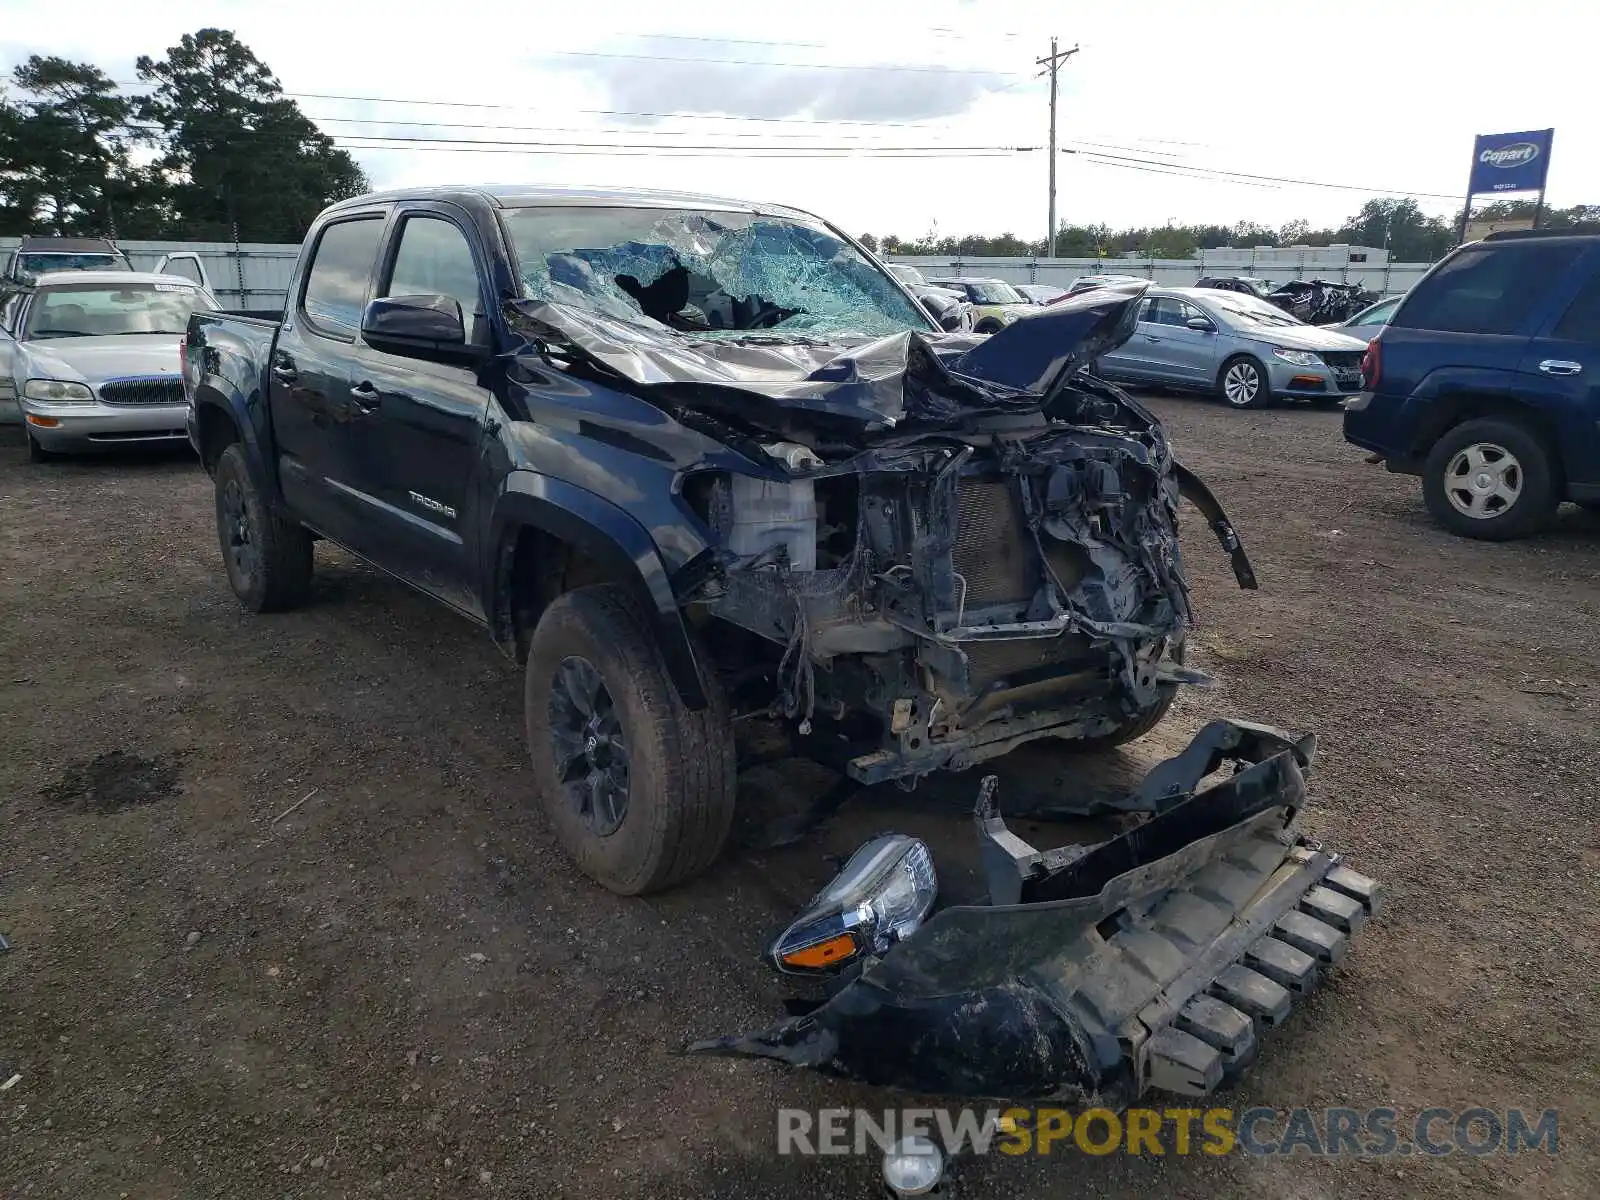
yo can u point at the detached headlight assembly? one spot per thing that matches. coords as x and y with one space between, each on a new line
880 897
1300 358
57 391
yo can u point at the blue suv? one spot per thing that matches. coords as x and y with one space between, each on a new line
1486 383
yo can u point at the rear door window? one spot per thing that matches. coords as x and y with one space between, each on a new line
1581 321
341 267
1486 289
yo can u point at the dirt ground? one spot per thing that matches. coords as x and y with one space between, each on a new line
283 922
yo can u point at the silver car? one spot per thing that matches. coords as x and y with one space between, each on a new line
91 358
1367 323
1243 349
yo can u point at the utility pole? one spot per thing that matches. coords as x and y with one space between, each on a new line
1052 63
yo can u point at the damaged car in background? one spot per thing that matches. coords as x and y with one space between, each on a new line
694 460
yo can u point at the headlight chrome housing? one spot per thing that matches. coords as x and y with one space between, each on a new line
57 391
880 897
1300 358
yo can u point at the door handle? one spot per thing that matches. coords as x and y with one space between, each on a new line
285 374
366 396
1560 366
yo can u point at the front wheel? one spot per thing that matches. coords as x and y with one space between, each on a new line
1242 383
1490 479
638 788
268 558
1134 727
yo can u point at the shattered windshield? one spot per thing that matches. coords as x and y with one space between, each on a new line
706 273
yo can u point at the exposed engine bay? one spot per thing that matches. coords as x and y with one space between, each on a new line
942 546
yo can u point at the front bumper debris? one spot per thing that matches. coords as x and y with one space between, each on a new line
1155 960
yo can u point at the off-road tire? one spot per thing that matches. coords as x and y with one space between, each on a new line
1538 495
681 763
280 576
1138 725
1263 393
1134 727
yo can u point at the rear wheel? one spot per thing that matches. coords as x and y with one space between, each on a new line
1242 383
268 558
638 787
1490 479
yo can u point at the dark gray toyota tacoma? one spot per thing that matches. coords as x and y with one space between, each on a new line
694 460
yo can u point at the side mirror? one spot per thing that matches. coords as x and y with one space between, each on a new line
1200 324
417 326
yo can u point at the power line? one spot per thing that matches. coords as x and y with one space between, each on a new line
592 129
513 144
686 152
759 62
594 112
1217 171
685 37
1098 149
1166 170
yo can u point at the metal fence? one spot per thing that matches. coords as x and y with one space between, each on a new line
251 275
1387 279
255 275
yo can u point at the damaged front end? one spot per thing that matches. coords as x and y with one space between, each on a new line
1153 960
942 547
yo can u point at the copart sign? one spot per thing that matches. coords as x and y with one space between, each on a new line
1510 162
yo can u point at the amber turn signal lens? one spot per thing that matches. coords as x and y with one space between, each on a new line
43 422
823 954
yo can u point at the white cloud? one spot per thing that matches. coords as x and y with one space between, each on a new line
1364 92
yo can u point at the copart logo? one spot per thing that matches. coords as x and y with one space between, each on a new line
1513 155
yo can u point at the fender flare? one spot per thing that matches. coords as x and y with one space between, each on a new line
610 536
241 416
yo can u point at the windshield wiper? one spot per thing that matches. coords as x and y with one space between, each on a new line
38 333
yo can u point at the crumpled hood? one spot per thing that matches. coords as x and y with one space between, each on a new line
908 376
95 360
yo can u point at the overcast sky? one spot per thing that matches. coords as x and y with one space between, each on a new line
1380 95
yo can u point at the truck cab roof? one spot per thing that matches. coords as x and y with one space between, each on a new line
544 196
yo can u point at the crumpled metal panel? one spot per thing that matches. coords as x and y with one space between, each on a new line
910 375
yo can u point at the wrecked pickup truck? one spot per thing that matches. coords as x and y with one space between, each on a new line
693 460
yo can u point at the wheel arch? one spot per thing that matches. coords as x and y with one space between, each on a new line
216 428
1249 356
1458 407
548 537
